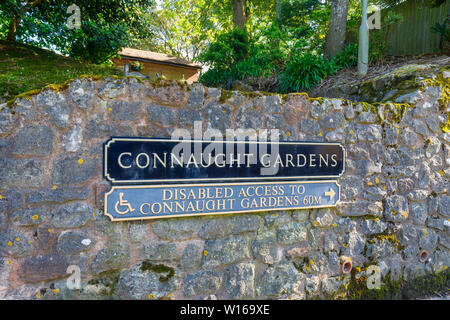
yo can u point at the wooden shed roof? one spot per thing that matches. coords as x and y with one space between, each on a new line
156 57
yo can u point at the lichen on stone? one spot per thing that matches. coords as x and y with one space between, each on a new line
158 268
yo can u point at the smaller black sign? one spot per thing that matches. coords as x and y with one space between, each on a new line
147 160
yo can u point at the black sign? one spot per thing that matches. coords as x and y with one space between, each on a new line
147 160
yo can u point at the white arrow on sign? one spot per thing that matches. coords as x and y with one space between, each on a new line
330 194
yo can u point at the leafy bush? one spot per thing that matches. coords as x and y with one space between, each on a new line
304 71
347 58
98 42
378 39
215 77
232 57
443 30
253 66
227 50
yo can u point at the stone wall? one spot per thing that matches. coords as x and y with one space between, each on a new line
395 197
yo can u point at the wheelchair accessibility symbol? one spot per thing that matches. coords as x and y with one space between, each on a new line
123 203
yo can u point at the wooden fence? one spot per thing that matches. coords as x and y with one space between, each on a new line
413 35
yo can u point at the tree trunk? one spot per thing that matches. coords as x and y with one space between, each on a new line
239 16
278 11
336 30
13 26
276 42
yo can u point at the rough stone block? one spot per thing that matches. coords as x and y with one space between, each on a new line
266 250
177 229
225 251
369 133
225 226
322 218
333 121
293 232
33 140
27 217
8 121
111 258
428 239
220 117
100 129
73 170
43 268
360 208
82 92
373 226
74 242
160 251
239 281
125 111
396 208
168 93
71 215
279 279
191 257
59 194
146 281
418 212
112 89
201 283
55 106
15 244
274 219
22 173
374 194
444 206
366 118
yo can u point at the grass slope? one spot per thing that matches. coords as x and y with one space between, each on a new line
25 67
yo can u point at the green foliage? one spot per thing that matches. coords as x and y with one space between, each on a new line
442 29
24 68
97 42
434 3
347 58
399 289
136 66
273 43
44 24
393 3
304 71
378 38
282 39
184 28
289 46
215 77
253 66
378 48
4 21
227 50
293 13
222 55
305 19
236 57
